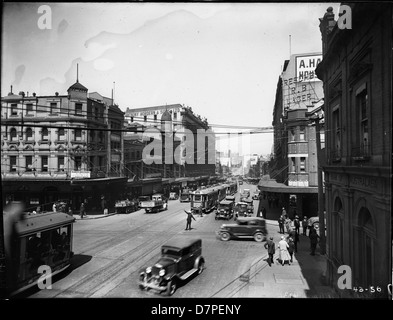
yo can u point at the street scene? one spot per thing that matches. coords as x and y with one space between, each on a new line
196 150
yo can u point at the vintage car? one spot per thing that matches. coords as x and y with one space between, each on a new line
230 198
173 196
245 227
180 259
250 206
240 210
143 199
225 210
157 203
126 206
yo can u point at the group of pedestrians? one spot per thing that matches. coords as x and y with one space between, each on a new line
287 246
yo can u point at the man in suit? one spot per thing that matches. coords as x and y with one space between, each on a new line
189 219
271 250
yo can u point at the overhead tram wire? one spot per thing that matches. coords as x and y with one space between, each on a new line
64 110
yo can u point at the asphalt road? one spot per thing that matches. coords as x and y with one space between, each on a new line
110 252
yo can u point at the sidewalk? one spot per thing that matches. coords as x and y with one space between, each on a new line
303 278
93 216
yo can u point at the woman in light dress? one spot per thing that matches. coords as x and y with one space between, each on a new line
284 253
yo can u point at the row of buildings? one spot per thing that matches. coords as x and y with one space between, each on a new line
349 102
81 147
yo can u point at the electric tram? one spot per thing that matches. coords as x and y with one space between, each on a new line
43 239
206 200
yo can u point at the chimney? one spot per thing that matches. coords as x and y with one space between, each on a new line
33 94
56 93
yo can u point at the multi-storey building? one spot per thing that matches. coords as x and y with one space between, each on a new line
55 147
171 121
357 74
294 166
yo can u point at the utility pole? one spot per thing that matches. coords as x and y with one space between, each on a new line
321 203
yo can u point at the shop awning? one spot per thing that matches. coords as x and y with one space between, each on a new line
100 180
274 186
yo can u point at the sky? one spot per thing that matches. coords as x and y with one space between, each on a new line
221 59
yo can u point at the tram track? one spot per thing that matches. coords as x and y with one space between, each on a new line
107 277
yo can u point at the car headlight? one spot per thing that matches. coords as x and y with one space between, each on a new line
148 269
162 272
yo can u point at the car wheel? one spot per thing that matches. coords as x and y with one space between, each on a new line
225 236
258 237
201 266
171 287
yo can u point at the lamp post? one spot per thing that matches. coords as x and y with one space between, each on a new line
321 208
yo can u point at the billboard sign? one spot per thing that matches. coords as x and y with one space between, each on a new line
305 67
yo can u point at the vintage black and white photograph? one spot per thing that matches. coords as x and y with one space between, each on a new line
196 150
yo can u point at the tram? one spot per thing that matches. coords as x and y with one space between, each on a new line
37 240
206 200
232 188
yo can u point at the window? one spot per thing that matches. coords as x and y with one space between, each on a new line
292 135
60 163
78 109
100 162
29 163
293 165
29 134
362 107
44 163
336 131
29 108
144 118
92 135
78 134
132 119
96 113
61 134
13 163
53 107
77 163
13 135
14 109
302 134
302 164
45 134
91 162
175 115
155 117
101 137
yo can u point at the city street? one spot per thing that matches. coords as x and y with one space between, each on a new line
110 252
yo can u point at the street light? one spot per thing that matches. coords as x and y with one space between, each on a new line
321 212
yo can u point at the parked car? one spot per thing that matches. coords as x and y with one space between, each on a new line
142 199
245 227
180 259
225 210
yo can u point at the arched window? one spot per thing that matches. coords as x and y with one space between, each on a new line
365 252
13 134
44 134
29 134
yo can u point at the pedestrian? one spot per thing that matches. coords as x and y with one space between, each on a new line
38 210
281 221
82 210
296 223
54 207
284 212
264 213
284 254
271 250
288 224
304 225
70 211
189 219
296 240
291 247
313 240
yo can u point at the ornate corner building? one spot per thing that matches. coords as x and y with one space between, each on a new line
357 76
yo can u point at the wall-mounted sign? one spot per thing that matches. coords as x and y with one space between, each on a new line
305 67
80 174
152 112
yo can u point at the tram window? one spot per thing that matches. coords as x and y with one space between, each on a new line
197 198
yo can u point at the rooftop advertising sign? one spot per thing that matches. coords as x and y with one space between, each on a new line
305 67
